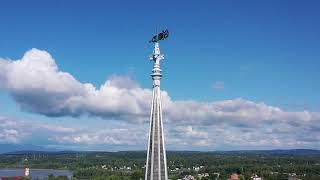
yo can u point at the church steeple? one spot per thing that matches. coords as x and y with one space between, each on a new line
156 166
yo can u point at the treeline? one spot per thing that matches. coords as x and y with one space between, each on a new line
129 165
106 174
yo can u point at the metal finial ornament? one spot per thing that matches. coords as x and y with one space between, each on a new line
161 36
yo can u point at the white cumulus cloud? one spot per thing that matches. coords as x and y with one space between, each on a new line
37 85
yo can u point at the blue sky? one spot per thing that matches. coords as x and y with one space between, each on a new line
241 57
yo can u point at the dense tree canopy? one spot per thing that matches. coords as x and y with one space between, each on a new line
130 165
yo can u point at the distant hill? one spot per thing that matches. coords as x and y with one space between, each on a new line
296 152
5 148
29 149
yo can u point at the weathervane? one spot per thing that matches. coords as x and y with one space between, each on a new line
161 36
156 56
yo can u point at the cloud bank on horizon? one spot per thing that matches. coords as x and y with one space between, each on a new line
37 85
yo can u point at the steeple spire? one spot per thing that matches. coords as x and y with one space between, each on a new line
156 166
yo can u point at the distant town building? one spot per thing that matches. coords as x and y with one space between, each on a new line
256 177
234 177
188 177
200 176
196 168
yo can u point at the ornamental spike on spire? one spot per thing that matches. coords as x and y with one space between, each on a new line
156 57
156 165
